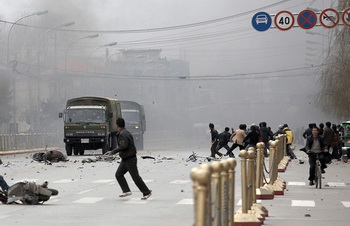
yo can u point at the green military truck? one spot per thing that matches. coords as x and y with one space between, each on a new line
90 124
135 121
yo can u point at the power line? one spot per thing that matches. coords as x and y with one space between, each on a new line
169 28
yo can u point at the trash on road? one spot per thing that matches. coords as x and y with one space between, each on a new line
49 157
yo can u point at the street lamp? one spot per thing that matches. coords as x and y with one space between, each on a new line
8 35
43 35
65 58
106 45
39 13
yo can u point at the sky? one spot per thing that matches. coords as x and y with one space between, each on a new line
232 44
216 38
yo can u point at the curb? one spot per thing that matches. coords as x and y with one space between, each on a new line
23 151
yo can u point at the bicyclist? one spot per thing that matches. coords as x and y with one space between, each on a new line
315 145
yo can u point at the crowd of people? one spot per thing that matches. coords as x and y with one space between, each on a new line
244 138
323 142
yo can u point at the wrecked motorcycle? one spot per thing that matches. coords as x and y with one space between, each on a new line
29 193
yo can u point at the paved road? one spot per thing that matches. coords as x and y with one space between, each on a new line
88 193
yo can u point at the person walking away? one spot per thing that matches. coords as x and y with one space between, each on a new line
315 145
289 142
321 125
223 139
266 136
336 152
214 141
237 138
127 152
253 137
328 135
308 131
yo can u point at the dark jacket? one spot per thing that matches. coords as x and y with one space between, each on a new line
253 137
214 135
126 146
266 134
308 132
310 141
224 138
328 135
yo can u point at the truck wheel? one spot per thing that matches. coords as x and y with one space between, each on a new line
76 151
81 151
69 149
104 147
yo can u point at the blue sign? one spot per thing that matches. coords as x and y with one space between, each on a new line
307 19
261 21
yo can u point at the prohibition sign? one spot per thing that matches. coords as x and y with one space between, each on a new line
307 19
284 20
329 18
346 17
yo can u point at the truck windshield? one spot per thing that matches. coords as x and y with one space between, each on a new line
85 115
131 116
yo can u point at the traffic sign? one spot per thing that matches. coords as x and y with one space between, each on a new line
307 19
261 21
284 20
329 18
346 17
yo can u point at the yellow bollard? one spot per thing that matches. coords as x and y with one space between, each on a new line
224 192
216 192
231 194
278 190
201 178
209 203
243 217
261 191
251 187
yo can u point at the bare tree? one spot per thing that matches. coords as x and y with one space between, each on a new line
334 97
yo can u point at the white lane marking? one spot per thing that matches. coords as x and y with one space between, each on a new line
64 181
83 192
180 182
185 202
239 203
4 216
336 184
306 203
296 183
346 204
88 200
137 201
103 181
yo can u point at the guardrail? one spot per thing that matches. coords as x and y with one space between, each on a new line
10 142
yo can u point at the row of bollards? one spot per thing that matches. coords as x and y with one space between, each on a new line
214 186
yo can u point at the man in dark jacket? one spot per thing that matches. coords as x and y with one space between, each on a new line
315 145
214 141
127 152
224 138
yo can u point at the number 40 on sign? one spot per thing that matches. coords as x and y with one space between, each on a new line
284 20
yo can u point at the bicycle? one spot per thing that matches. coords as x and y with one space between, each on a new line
194 157
318 173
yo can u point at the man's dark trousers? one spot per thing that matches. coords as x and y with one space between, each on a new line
130 165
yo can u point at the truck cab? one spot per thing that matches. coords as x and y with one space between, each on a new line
90 124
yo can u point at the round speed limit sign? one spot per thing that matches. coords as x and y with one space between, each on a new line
284 20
